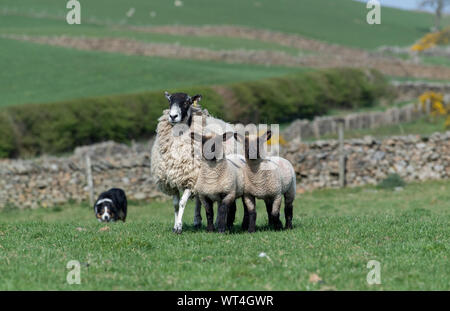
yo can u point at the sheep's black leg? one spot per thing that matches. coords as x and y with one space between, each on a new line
231 215
209 214
269 204
245 221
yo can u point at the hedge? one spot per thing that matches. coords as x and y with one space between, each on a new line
33 129
306 96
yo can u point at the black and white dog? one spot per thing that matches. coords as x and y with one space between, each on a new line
111 206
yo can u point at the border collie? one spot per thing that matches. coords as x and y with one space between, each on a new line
111 206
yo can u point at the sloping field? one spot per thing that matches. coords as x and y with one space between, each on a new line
34 73
342 21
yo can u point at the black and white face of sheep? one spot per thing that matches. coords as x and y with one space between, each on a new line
180 105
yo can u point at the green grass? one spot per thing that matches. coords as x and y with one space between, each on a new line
336 233
423 126
33 73
25 25
437 61
342 22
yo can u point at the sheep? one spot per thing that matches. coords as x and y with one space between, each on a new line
267 178
220 180
174 166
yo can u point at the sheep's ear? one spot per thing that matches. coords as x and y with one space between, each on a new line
228 135
168 96
196 98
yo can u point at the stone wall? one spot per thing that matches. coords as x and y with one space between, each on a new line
48 181
369 160
320 126
405 90
413 89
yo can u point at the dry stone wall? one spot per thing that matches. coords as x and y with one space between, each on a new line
369 160
49 181
320 126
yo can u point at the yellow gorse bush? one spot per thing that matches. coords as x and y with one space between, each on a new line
438 108
432 39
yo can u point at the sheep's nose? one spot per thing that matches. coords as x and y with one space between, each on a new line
173 117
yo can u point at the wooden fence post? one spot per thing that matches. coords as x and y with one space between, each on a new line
90 182
341 153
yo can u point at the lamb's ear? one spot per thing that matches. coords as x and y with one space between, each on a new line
240 138
168 96
269 135
228 135
266 136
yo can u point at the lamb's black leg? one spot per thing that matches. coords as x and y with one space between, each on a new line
209 214
276 213
288 212
245 221
269 204
231 215
221 216
197 213
250 202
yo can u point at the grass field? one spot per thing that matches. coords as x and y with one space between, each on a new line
34 73
37 73
336 233
342 22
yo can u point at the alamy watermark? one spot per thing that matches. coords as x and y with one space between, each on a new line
374 275
74 15
74 275
374 15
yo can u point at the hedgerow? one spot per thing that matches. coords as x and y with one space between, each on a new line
33 129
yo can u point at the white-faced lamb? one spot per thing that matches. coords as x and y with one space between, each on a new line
221 180
174 165
267 178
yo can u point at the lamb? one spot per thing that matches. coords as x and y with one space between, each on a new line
174 166
267 178
221 180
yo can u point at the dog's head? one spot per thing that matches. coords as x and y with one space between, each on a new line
105 210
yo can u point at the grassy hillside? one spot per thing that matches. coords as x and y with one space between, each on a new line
337 21
37 73
336 233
